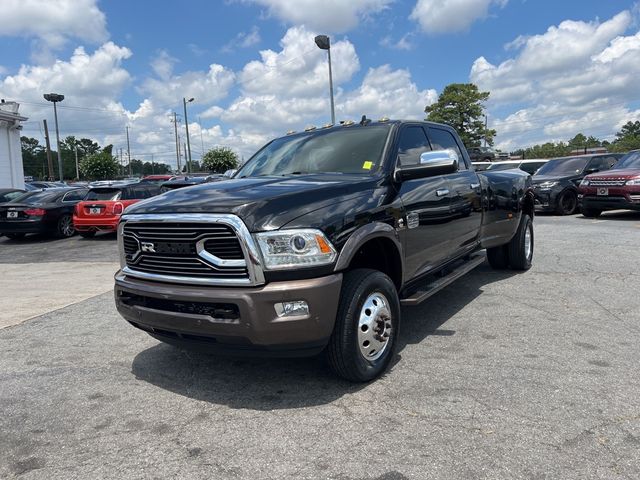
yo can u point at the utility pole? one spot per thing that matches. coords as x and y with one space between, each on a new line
175 128
128 151
179 155
186 161
153 167
186 126
49 160
121 164
77 169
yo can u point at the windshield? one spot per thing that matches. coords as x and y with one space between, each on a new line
630 160
41 196
104 194
348 150
564 166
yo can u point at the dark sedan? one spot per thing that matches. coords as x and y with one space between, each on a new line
556 182
47 211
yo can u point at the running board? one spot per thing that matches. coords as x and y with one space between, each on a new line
438 284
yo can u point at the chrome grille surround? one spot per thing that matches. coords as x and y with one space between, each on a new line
607 183
230 269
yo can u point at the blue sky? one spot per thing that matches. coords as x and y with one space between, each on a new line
553 68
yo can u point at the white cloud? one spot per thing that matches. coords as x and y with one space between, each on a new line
387 92
243 40
54 21
575 77
446 16
328 16
205 87
163 64
403 44
300 68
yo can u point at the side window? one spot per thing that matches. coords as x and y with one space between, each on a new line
413 142
443 140
74 196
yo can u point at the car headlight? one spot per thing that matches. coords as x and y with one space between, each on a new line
283 249
633 181
548 185
584 182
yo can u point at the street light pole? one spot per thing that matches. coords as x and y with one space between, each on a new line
55 98
324 43
186 125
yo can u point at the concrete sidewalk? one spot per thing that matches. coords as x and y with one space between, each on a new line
33 289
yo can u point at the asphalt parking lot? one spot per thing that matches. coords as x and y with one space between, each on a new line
501 375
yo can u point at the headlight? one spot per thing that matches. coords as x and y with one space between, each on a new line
633 181
295 248
584 182
548 185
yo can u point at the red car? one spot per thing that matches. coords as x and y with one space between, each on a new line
101 208
618 188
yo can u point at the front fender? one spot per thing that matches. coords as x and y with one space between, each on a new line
363 235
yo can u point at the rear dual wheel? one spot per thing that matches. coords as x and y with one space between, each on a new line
364 336
518 253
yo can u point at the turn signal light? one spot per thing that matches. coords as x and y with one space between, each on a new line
118 209
35 212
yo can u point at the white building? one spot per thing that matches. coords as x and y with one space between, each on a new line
11 170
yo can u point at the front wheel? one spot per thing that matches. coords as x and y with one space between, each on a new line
364 336
65 227
567 203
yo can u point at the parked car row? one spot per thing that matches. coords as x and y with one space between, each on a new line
64 210
590 183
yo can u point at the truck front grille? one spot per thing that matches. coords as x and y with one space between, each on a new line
186 252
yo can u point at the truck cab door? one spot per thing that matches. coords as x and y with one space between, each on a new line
424 228
465 195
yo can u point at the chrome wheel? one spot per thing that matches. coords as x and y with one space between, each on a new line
374 326
66 226
528 244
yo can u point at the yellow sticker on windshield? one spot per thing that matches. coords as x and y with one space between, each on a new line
367 165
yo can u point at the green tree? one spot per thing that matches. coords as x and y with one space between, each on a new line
461 105
99 166
628 138
220 159
34 158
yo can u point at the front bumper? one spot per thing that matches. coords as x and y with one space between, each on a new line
544 200
613 202
233 320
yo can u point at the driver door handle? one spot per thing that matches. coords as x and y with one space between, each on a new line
442 192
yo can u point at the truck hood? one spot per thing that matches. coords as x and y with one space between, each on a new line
538 179
615 174
263 203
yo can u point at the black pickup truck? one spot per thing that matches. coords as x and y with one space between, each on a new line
317 241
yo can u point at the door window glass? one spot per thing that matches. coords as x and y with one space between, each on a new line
413 142
443 140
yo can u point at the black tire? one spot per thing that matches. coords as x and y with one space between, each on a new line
498 257
521 255
591 212
87 234
344 352
15 236
64 228
567 203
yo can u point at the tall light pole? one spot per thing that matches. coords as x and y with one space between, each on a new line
55 98
324 43
186 125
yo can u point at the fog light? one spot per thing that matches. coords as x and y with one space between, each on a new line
297 308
